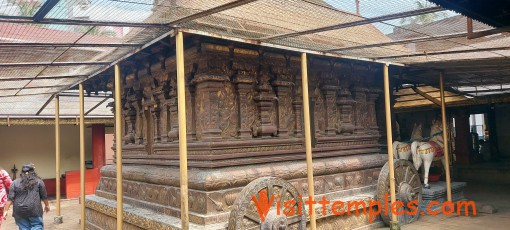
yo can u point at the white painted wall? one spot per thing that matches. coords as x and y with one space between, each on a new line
36 143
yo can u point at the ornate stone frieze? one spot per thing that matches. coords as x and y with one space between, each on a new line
333 186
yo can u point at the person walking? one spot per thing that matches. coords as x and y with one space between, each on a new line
26 194
5 184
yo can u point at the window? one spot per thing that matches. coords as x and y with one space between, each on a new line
477 124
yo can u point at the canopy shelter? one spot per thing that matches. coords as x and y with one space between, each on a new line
425 96
48 46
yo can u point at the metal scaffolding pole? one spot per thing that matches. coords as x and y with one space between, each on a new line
445 138
387 105
58 218
308 137
183 149
118 147
82 160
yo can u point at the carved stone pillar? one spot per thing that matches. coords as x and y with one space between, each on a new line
298 106
155 109
156 117
360 109
136 103
283 88
160 111
264 101
208 88
245 88
163 119
130 118
173 133
330 92
372 96
190 115
319 110
380 112
139 123
345 104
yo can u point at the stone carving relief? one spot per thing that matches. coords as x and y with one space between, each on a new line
238 94
228 110
265 104
319 111
245 81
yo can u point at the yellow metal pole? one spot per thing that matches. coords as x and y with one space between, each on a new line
445 138
183 149
57 153
118 145
308 136
387 105
82 160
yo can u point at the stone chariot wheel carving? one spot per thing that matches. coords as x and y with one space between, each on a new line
408 189
244 214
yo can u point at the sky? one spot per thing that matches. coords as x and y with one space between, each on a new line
139 10
375 8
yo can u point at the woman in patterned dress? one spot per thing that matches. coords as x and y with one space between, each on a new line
5 184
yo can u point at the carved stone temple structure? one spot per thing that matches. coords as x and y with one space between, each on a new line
244 121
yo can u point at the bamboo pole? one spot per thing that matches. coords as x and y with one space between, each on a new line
308 137
445 139
82 159
183 150
57 154
387 105
118 148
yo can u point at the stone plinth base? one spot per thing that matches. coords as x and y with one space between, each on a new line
437 192
101 214
152 200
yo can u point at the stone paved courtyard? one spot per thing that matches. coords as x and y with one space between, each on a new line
70 210
496 195
490 194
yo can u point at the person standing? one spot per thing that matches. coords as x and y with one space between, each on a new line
26 194
5 184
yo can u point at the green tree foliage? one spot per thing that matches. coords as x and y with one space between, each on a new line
424 18
27 8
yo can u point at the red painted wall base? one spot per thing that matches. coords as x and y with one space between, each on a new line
51 186
73 182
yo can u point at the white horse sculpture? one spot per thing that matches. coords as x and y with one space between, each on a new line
426 152
402 150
